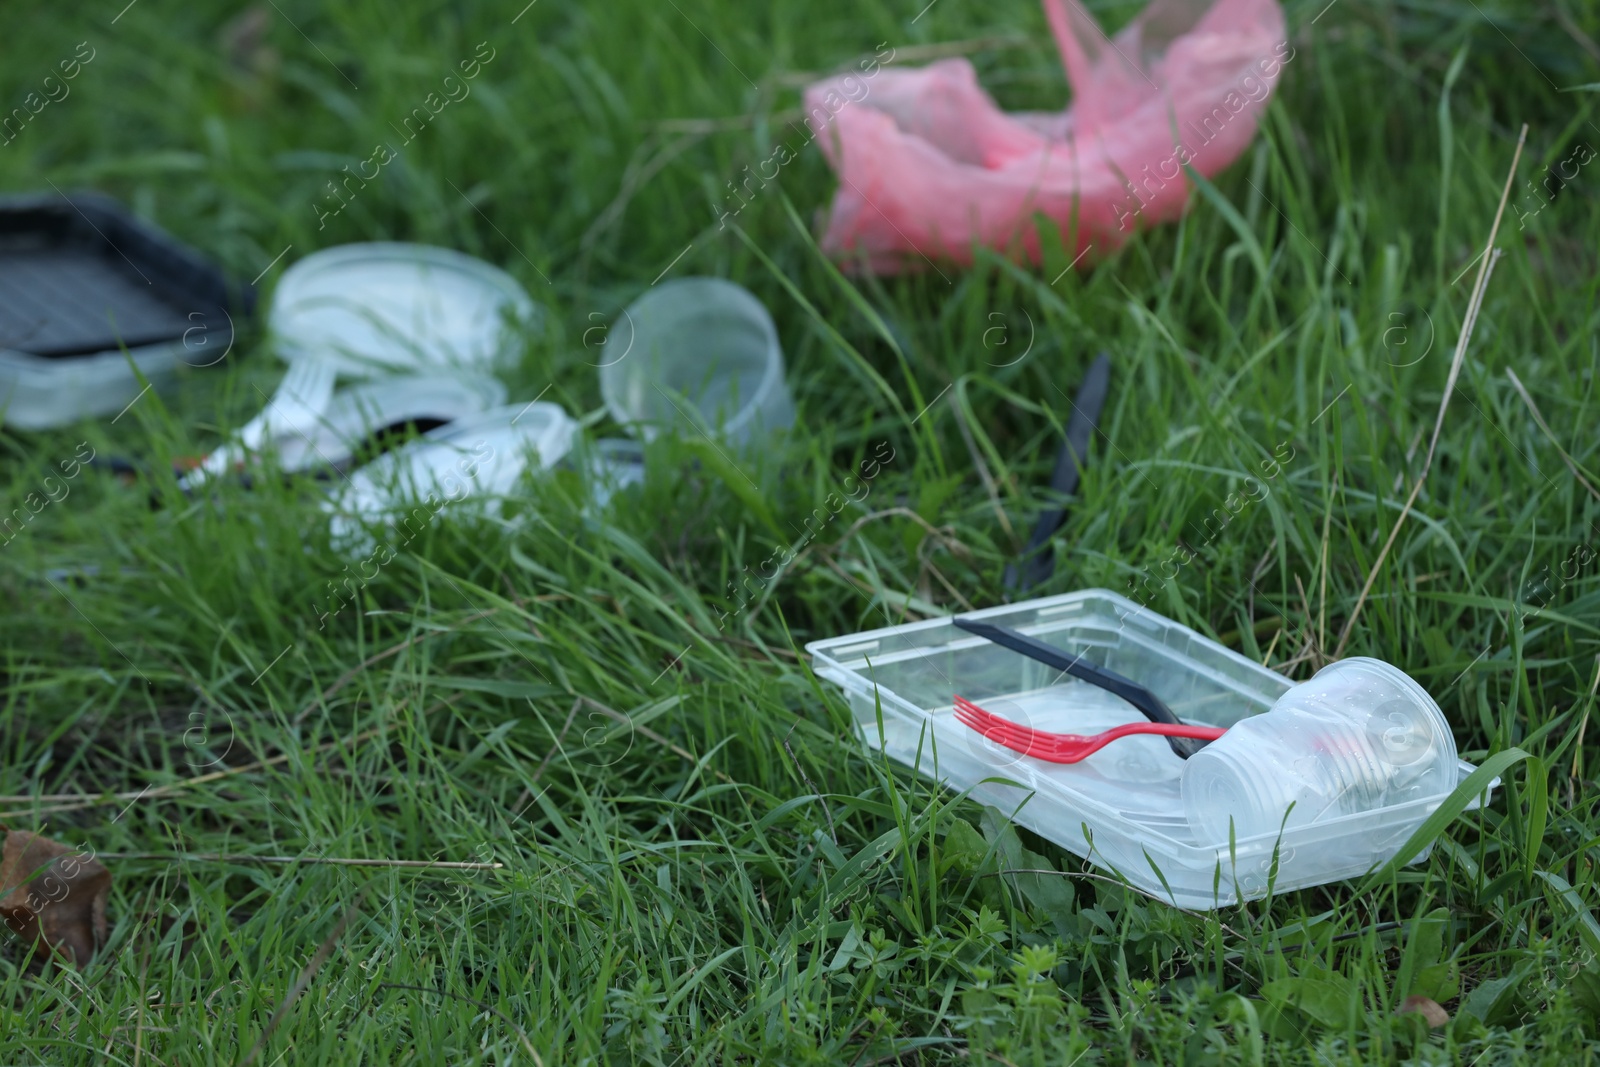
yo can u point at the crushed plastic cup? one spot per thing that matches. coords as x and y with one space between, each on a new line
700 355
1359 736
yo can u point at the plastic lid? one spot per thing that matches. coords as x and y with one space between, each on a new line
371 309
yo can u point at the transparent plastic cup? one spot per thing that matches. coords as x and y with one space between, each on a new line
1359 736
701 355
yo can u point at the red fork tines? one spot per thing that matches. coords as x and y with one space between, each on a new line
1065 748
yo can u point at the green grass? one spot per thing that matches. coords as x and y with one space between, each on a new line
700 864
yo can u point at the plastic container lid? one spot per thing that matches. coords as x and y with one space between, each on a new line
383 307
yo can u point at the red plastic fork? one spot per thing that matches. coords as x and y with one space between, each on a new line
1066 748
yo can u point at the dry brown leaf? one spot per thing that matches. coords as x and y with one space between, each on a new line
1431 1012
54 894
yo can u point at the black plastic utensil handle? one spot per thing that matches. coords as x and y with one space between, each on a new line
1149 705
1038 561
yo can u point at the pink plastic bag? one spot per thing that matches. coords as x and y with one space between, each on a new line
929 167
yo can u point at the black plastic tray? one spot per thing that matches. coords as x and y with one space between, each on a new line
79 276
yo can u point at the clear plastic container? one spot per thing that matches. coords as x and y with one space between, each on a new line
1124 807
699 354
